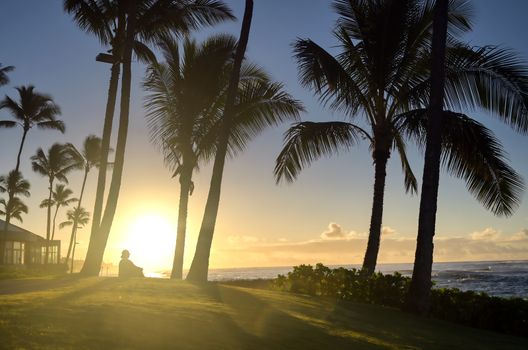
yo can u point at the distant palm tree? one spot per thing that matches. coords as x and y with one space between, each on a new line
13 208
77 218
185 98
382 74
59 198
4 79
89 158
56 164
137 20
33 109
200 264
15 185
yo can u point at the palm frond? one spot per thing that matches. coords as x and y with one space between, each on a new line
305 142
470 151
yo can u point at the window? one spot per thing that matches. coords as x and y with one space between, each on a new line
52 254
14 252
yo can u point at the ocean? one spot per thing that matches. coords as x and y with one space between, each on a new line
497 278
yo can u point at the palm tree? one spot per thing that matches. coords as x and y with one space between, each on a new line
13 208
56 164
33 109
184 104
137 20
59 198
15 185
4 79
383 75
200 264
77 218
89 158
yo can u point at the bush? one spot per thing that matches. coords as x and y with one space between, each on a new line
468 308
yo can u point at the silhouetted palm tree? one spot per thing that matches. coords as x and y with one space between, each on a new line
56 164
185 99
4 79
77 218
59 198
200 264
14 208
15 185
137 20
33 109
89 158
382 74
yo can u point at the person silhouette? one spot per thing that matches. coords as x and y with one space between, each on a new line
127 267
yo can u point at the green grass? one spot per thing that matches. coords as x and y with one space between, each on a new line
111 313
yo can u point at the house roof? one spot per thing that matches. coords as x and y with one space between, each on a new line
17 233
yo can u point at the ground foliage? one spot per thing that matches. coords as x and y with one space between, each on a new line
507 315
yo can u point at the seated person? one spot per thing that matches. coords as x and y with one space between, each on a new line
127 267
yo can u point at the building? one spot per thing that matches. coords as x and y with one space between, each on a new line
22 247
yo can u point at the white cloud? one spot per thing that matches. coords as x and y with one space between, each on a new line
336 232
337 246
386 231
521 235
488 234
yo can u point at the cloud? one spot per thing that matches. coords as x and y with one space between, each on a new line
386 231
488 234
238 239
339 247
521 235
336 232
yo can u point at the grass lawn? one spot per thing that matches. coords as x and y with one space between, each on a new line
110 313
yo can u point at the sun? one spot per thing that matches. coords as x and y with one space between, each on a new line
150 238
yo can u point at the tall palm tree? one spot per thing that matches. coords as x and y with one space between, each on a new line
185 98
382 75
33 109
89 158
4 79
59 198
55 165
145 21
200 264
15 185
77 218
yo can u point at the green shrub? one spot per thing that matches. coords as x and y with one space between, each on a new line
507 315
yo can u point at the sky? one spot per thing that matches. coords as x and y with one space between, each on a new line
322 217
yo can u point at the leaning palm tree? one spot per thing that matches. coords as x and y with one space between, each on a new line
200 264
382 75
134 21
59 198
55 165
4 79
185 98
15 185
14 208
33 110
77 218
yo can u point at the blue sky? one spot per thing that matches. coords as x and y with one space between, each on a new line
50 52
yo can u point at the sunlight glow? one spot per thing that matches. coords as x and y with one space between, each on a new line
150 239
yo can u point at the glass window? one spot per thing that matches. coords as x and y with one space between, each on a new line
14 252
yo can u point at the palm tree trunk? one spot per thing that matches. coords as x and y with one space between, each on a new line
96 248
376 217
418 298
48 222
20 149
185 185
73 251
200 264
74 227
54 221
105 145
